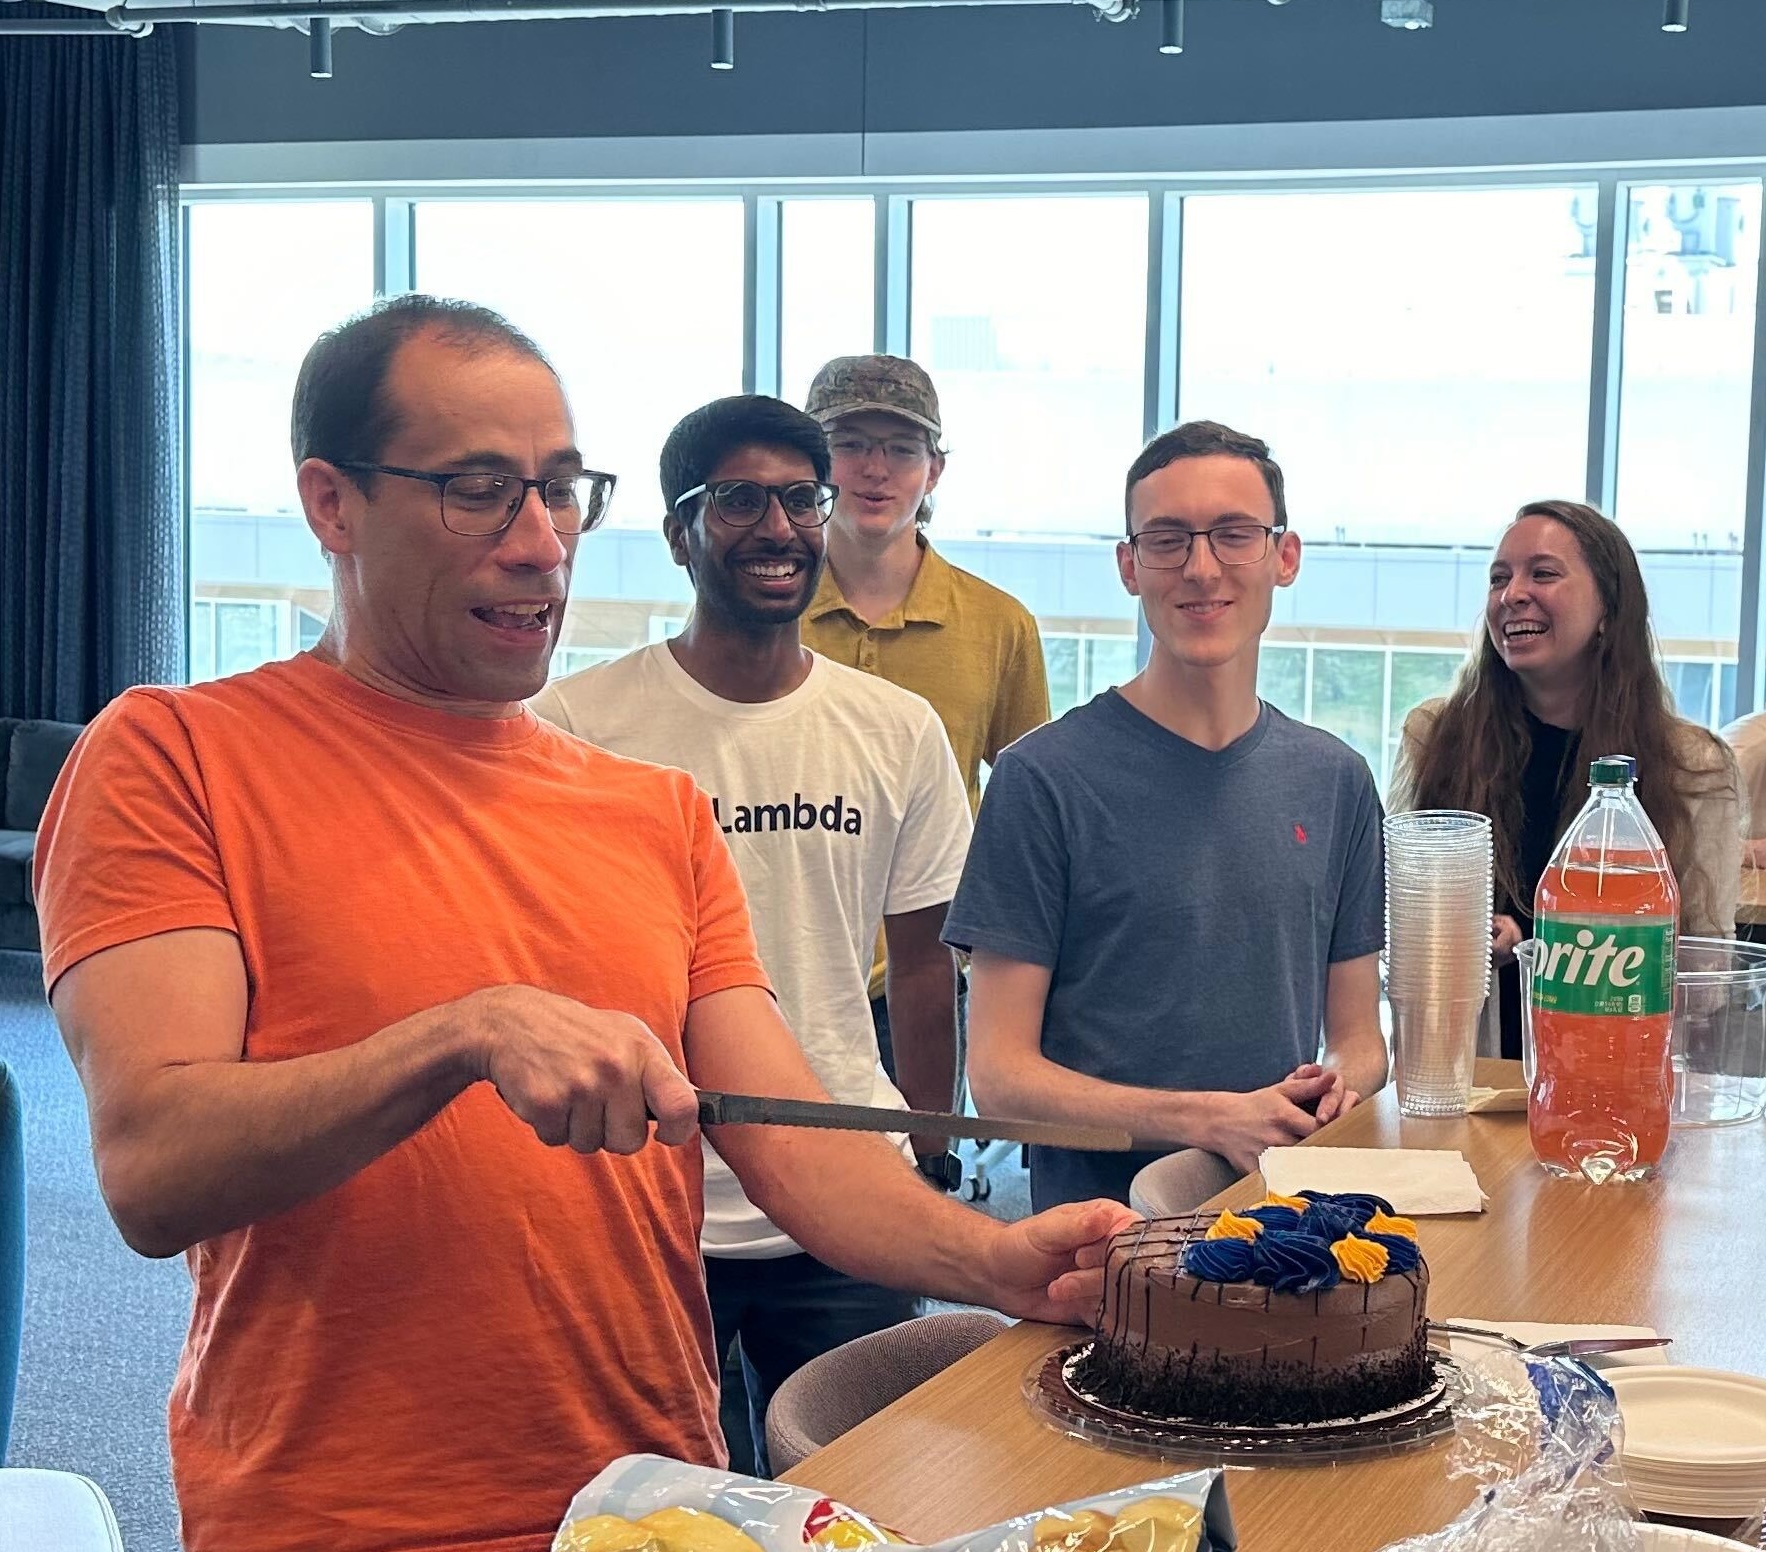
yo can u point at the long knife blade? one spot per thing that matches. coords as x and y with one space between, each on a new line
752 1110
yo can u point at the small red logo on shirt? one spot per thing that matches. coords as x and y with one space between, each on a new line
1300 834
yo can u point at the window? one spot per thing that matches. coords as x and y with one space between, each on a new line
308 628
231 635
1281 679
638 303
827 289
1690 685
1691 259
265 279
1349 699
1030 314
1416 677
1417 361
1362 694
571 660
1692 255
1082 666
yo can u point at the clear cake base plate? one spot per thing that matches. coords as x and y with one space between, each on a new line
1054 1396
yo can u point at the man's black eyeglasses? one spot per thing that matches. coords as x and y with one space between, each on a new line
743 503
1234 544
480 504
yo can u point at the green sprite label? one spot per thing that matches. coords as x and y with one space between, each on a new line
1604 966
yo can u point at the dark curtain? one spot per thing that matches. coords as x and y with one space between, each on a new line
91 526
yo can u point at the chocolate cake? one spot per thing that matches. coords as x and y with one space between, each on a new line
1299 1310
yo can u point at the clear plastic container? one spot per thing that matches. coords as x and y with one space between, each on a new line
1719 1055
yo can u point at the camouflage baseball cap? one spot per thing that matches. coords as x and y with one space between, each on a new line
894 385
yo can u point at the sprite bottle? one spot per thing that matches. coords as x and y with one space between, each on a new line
1606 918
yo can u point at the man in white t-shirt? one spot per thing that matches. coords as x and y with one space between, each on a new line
844 808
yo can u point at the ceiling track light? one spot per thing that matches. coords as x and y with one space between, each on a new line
723 38
319 48
1171 27
1675 14
1410 15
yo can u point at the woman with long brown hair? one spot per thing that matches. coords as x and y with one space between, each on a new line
1563 670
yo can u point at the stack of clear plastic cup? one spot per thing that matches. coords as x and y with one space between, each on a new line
1438 905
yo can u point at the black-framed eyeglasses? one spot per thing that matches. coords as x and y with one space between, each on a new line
743 503
477 504
1234 544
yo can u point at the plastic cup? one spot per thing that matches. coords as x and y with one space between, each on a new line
1434 1044
1438 902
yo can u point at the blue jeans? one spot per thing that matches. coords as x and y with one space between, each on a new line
782 1313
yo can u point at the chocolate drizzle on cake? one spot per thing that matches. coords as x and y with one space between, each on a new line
1244 1353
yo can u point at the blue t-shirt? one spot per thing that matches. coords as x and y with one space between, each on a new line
1189 902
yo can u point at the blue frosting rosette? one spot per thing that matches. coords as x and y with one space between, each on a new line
1402 1254
1291 1251
1293 1263
1284 1218
1221 1260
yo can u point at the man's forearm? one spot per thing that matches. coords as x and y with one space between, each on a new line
923 1031
855 1203
1035 1089
1363 1064
199 1149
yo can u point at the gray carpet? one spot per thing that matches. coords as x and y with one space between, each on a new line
102 1326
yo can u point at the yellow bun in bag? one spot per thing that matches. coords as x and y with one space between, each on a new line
604 1533
1156 1525
1081 1530
693 1530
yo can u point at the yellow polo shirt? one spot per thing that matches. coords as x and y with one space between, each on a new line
969 648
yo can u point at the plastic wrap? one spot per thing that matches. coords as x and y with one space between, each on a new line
1541 1437
645 1503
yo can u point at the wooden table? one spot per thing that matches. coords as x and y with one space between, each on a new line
1684 1253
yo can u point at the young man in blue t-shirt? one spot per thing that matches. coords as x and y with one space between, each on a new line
1174 891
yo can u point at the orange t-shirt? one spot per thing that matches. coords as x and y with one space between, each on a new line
440 1351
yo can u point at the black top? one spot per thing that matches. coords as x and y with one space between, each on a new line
1552 769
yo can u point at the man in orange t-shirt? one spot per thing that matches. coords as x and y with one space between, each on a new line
374 982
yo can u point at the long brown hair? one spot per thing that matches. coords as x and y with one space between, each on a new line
1478 746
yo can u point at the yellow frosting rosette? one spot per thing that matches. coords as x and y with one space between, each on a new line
1360 1260
1298 1203
1229 1225
1385 1223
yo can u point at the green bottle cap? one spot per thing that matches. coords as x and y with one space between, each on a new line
1612 770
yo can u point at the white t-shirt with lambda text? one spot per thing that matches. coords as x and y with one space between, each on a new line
842 804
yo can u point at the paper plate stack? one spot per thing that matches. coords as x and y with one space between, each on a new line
1671 1538
1695 1440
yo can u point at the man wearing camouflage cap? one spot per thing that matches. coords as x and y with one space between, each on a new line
890 605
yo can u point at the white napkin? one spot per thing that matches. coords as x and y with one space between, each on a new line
1531 1331
1414 1180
